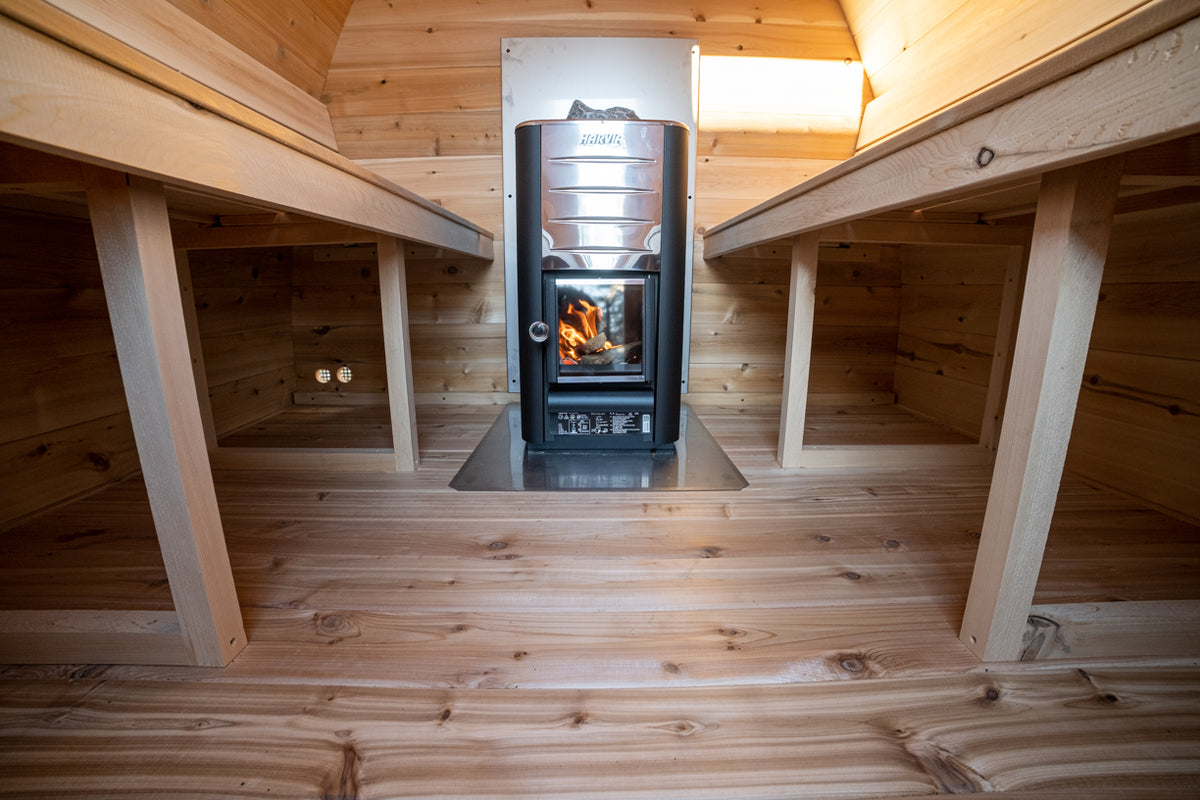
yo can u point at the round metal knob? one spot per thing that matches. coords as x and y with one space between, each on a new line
539 331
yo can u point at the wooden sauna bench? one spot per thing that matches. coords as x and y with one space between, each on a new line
184 164
1079 175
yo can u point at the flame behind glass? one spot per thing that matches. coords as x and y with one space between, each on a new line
600 328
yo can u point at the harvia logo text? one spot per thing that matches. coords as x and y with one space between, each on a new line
594 139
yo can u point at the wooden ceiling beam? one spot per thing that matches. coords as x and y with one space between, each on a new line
221 237
896 232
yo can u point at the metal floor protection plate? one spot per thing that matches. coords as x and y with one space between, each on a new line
503 463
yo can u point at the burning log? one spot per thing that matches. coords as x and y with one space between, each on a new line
621 353
593 345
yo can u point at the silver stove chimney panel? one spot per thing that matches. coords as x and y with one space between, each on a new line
601 194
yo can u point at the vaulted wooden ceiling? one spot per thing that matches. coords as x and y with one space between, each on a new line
295 38
402 82
920 56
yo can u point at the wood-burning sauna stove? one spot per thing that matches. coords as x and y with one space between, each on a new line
601 231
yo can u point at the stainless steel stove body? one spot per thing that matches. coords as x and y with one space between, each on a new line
601 238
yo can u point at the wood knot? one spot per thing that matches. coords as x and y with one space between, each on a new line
851 576
852 664
682 727
984 157
336 627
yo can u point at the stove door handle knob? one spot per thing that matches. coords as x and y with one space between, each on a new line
539 331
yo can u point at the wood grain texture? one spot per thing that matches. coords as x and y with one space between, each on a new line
66 429
187 296
975 733
1095 630
295 39
1126 91
1066 263
955 300
143 127
798 348
923 57
137 263
414 92
794 639
242 301
124 637
393 292
181 44
1016 264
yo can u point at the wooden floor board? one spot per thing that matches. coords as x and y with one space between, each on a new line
794 639
969 733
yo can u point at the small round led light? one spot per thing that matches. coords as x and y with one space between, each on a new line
343 374
324 375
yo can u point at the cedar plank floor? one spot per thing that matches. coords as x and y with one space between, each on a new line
794 639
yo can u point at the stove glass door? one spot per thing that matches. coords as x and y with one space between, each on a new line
601 327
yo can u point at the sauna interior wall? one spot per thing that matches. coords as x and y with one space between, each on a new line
414 94
66 427
457 324
295 38
950 311
921 57
336 320
1137 425
244 316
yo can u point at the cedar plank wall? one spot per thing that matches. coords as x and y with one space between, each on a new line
66 422
244 314
295 38
337 319
457 324
739 326
1137 425
922 56
950 309
66 427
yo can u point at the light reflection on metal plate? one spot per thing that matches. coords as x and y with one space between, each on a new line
502 462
